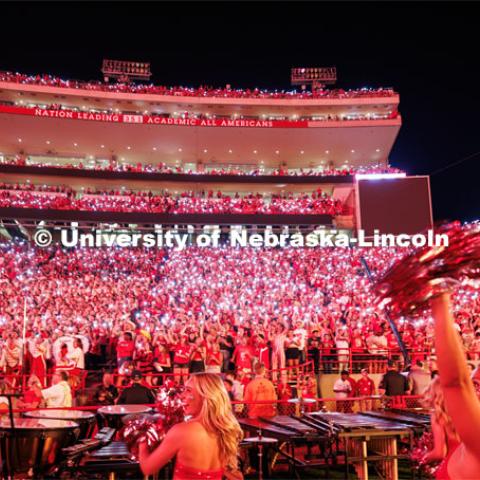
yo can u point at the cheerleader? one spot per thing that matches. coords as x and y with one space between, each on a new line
205 447
461 458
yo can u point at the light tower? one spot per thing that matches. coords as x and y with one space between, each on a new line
317 77
125 71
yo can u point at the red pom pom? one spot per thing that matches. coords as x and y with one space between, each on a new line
143 430
170 410
410 284
421 447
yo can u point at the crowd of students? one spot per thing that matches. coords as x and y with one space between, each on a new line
202 91
217 309
114 166
64 198
316 117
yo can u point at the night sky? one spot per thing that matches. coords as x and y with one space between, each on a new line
429 52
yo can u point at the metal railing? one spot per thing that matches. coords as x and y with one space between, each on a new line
294 406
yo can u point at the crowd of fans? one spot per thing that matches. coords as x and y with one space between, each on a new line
202 91
161 167
63 198
220 309
201 116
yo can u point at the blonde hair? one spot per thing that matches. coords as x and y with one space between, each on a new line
217 416
434 399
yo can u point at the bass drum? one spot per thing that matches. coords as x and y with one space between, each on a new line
34 446
113 414
86 420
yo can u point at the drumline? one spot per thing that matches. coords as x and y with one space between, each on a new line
43 433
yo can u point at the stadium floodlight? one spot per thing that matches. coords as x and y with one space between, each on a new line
317 77
125 71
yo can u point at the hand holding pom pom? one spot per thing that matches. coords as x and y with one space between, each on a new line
141 431
151 430
429 271
419 455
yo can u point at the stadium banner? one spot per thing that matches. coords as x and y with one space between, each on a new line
152 120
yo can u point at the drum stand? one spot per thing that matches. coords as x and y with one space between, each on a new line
5 472
260 441
260 455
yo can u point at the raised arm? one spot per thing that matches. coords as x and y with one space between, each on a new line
170 338
460 398
153 462
235 354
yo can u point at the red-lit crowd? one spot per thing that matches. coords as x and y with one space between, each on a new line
202 91
115 166
63 198
168 311
202 116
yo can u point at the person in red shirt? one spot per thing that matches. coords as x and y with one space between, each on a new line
326 351
242 356
353 393
64 362
309 387
214 359
365 388
125 349
358 348
197 355
161 362
408 339
308 391
30 398
418 348
284 392
144 358
262 352
392 344
181 360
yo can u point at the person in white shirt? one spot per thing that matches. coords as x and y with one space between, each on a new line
237 391
77 354
343 349
11 358
278 351
342 388
77 357
59 394
377 345
301 335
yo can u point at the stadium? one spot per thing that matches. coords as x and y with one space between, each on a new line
193 284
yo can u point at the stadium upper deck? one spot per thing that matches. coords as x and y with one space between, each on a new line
45 116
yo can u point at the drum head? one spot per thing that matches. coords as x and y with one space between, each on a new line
37 424
74 415
35 444
123 409
260 440
141 416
